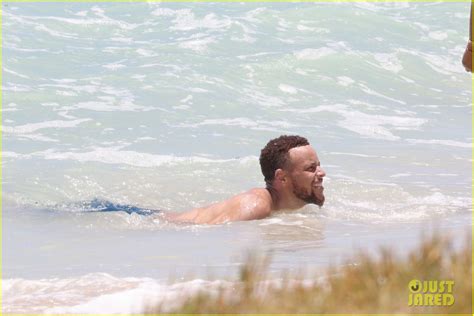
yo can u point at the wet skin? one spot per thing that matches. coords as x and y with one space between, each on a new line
297 184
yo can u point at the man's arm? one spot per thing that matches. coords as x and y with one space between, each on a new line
254 204
467 57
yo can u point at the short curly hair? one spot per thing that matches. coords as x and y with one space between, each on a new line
275 154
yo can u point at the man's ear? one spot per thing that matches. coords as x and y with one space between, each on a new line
280 175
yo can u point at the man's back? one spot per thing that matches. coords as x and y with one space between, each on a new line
253 204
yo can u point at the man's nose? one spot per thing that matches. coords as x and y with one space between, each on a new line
320 172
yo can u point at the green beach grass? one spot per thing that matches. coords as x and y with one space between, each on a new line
367 284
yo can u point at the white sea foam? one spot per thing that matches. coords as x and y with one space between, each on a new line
345 81
113 66
132 158
102 293
252 15
442 64
81 13
302 27
440 199
146 52
367 90
422 26
164 12
85 22
11 154
27 50
399 175
199 90
15 73
140 78
245 38
114 100
187 99
391 209
369 125
402 175
41 27
445 142
198 45
127 40
92 293
37 137
361 155
287 88
389 62
145 138
242 122
438 35
16 87
185 20
181 107
108 106
76 88
251 56
385 7
30 21
30 128
263 99
66 93
314 53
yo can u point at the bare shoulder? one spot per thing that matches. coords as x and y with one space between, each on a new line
261 194
256 203
249 205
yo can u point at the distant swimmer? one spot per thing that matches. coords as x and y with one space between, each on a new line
467 57
293 177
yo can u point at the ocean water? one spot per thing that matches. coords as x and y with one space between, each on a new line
167 105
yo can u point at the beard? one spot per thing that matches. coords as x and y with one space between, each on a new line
316 196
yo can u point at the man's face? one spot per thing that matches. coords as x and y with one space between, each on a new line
306 175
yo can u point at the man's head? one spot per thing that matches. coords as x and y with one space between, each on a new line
290 164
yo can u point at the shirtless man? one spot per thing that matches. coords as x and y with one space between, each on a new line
293 177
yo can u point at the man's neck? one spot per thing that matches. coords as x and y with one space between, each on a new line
280 201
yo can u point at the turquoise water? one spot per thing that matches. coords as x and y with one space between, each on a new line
167 105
